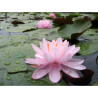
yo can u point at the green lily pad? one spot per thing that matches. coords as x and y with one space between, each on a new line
96 84
75 29
4 41
90 34
18 39
12 57
39 34
88 47
90 43
25 78
86 17
20 27
3 73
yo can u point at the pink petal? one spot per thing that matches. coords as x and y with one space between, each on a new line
37 50
33 65
44 41
75 50
78 67
41 72
65 58
65 44
71 48
43 46
48 58
35 61
71 72
61 49
37 56
54 74
73 62
55 52
59 40
68 54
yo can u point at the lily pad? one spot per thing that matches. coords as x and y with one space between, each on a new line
89 43
3 73
25 78
21 27
86 17
12 57
74 30
39 34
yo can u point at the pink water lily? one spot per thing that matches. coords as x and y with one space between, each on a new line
53 57
52 15
44 24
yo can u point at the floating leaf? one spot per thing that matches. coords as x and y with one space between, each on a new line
25 78
12 57
89 43
3 73
74 30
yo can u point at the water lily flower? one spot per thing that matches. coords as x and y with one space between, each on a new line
53 57
44 24
52 15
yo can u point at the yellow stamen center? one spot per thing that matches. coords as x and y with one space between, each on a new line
56 44
48 46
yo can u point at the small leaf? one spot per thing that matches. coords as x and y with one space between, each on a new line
16 22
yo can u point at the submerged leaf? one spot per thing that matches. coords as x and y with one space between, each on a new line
16 22
62 21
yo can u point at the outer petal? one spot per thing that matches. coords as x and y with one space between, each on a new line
54 74
75 50
37 56
74 62
35 61
70 49
71 72
37 50
41 71
78 67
